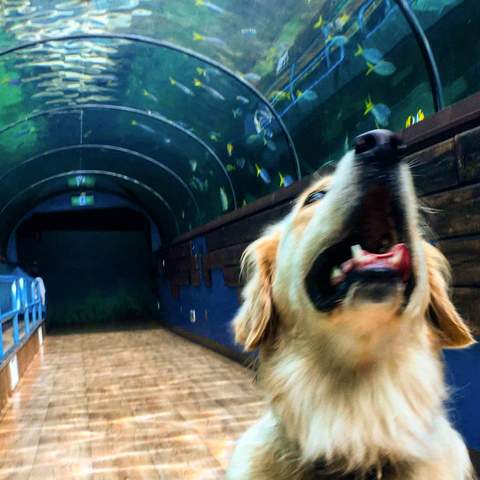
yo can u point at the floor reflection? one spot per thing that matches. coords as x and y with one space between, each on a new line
141 404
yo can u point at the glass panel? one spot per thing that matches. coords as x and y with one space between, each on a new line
357 68
173 146
331 70
452 28
22 139
176 193
221 137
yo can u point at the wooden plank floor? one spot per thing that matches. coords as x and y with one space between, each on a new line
143 404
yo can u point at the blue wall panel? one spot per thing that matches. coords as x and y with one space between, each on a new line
214 306
464 377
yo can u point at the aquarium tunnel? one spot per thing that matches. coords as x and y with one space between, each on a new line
143 146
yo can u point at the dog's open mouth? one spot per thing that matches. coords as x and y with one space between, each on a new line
374 256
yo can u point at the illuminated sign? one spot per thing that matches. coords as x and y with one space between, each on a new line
81 181
83 200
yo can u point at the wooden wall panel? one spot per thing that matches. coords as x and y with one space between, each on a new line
467 301
434 168
25 355
464 257
232 276
468 153
4 386
456 212
245 230
225 257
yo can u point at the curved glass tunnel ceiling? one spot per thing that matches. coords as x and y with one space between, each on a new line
197 108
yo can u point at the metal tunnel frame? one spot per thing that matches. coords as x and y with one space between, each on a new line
160 118
426 50
176 48
105 173
100 146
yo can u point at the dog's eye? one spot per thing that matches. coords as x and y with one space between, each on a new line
314 197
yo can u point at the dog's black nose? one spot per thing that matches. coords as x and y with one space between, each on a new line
379 145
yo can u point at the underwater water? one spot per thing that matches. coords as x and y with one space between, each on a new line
198 107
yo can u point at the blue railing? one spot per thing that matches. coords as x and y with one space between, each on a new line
22 309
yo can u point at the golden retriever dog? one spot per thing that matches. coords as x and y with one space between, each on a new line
348 305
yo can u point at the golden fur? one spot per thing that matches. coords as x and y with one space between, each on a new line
361 385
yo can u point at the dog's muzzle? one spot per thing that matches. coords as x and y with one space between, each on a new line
374 255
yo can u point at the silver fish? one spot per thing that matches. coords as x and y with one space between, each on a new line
381 113
182 87
382 68
282 62
211 6
252 77
242 99
223 199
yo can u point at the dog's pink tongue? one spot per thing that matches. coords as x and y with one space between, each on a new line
397 258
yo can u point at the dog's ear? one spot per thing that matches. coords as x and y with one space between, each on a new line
449 326
255 319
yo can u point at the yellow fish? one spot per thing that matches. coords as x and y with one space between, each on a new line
359 51
282 179
230 167
201 71
370 68
198 37
262 173
319 22
197 82
210 5
147 94
343 19
413 119
280 95
410 121
368 106
133 122
229 149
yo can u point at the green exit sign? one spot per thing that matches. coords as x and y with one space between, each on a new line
83 200
81 181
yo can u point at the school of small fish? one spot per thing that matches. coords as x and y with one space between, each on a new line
415 118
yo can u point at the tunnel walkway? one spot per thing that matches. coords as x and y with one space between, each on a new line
143 404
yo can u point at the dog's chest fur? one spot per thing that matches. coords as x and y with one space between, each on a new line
357 425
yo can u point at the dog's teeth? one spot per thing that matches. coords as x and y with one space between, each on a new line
336 272
356 251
